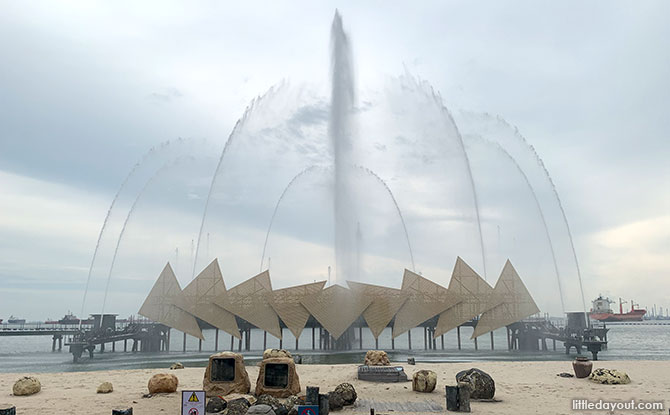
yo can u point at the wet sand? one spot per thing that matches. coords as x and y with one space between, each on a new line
521 387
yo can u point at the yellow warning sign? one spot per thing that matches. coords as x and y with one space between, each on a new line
193 398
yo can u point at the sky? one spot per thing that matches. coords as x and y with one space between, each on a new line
88 88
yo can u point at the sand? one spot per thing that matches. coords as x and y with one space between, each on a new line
521 387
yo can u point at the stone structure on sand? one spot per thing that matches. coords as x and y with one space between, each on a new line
226 374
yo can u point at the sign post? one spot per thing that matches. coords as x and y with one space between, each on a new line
192 402
308 409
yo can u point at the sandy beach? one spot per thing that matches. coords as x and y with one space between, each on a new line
521 387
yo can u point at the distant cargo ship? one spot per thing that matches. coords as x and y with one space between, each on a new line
603 312
68 318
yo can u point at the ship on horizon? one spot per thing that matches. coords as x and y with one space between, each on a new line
602 311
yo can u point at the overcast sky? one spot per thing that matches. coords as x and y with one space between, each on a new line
87 88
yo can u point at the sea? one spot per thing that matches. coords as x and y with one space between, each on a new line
31 354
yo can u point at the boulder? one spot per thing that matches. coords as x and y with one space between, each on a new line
424 381
376 358
609 377
240 383
27 385
267 400
237 407
260 410
481 383
105 387
335 401
293 385
163 383
273 353
348 393
215 404
176 365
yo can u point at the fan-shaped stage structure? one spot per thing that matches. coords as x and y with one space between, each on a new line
337 308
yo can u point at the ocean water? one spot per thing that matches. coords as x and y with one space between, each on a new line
33 353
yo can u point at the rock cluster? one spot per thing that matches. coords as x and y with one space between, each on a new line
481 383
105 387
424 381
609 377
163 383
176 365
27 385
240 384
376 358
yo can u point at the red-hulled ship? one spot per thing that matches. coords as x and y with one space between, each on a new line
603 312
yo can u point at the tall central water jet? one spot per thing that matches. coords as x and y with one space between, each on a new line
340 131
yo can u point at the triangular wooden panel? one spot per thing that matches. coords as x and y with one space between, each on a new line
473 292
286 303
510 302
426 299
247 300
198 299
385 304
336 308
159 305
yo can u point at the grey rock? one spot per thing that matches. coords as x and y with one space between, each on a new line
215 404
335 401
260 410
267 400
482 385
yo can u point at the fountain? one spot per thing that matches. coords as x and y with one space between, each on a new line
366 183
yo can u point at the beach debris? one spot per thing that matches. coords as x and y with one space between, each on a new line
215 404
226 374
273 353
176 365
382 373
482 385
411 361
27 385
260 410
609 377
147 395
424 381
347 392
7 409
565 375
277 377
127 411
163 383
376 358
105 387
297 359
